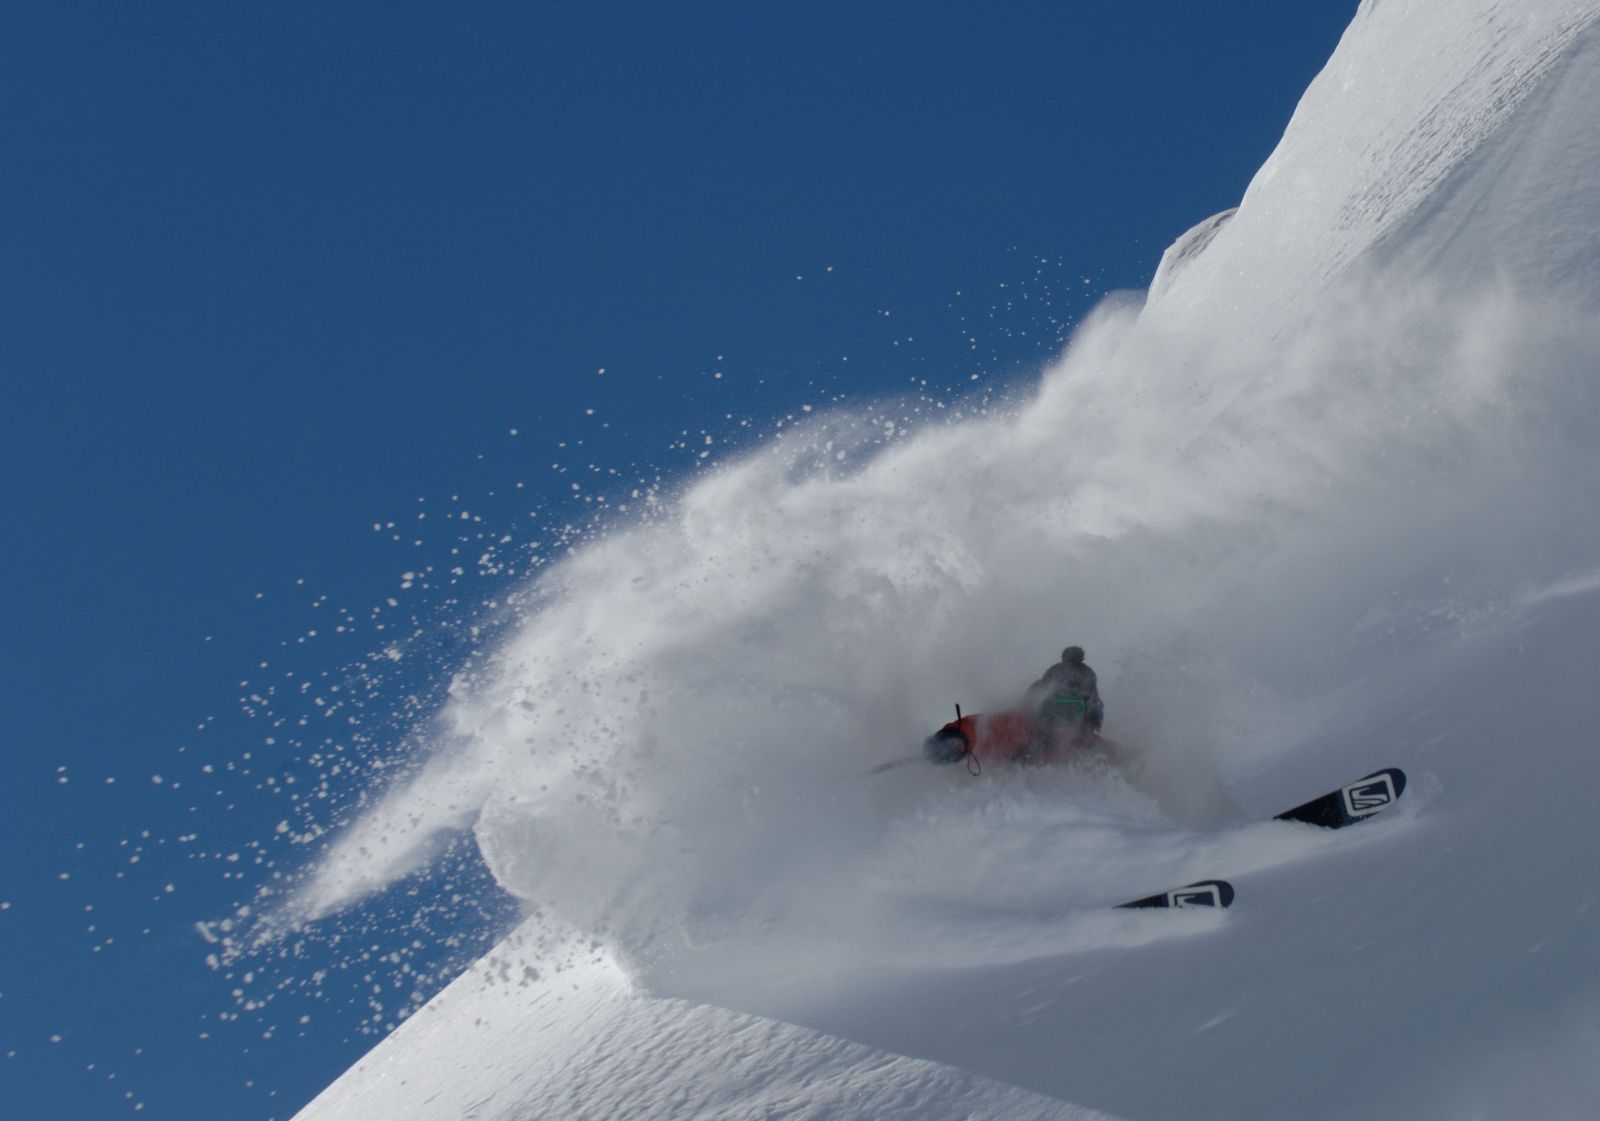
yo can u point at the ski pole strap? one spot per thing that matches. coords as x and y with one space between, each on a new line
974 768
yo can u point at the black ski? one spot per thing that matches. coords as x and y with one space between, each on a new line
1206 893
1333 810
1353 803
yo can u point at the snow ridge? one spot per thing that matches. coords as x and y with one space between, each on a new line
1415 95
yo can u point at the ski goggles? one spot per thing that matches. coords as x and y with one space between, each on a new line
1067 707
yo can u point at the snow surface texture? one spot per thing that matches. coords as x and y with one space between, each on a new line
1327 502
584 1046
1454 135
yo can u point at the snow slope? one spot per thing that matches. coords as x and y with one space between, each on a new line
1326 501
1448 136
584 1045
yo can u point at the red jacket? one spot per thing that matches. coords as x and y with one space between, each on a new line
1010 737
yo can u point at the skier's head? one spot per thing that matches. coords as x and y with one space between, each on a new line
1072 655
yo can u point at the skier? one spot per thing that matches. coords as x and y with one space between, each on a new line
1056 719
1066 702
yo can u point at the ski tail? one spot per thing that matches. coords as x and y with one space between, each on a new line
1203 893
1349 804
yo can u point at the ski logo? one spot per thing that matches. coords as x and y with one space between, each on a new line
1196 895
1371 794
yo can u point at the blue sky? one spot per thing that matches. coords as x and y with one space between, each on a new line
275 275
